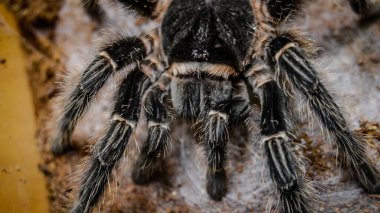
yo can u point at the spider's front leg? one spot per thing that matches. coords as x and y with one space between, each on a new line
292 68
108 151
214 129
112 58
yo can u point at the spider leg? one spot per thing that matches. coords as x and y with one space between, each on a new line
112 58
158 119
293 68
108 151
215 138
293 192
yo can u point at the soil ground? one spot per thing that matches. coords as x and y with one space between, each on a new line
59 36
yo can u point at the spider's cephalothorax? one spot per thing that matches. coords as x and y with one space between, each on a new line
209 49
205 50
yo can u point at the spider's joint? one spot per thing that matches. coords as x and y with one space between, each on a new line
162 125
219 114
132 124
149 42
263 79
108 57
283 49
281 134
256 70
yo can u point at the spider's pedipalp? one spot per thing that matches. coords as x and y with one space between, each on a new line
214 137
365 8
98 172
111 59
158 142
291 66
108 151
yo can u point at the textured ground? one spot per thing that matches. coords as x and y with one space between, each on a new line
351 66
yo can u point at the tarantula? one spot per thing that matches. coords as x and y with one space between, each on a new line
201 55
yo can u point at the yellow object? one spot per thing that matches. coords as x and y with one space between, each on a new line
22 186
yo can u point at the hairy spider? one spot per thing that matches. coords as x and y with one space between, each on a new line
202 53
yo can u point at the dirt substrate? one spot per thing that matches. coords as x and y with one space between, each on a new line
59 37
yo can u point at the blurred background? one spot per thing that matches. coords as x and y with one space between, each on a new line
41 41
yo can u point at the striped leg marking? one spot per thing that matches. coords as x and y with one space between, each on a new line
294 69
111 59
157 144
109 150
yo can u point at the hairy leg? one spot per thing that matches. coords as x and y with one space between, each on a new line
293 193
292 68
158 120
109 150
111 58
214 137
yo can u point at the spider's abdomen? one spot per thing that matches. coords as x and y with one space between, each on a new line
214 31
